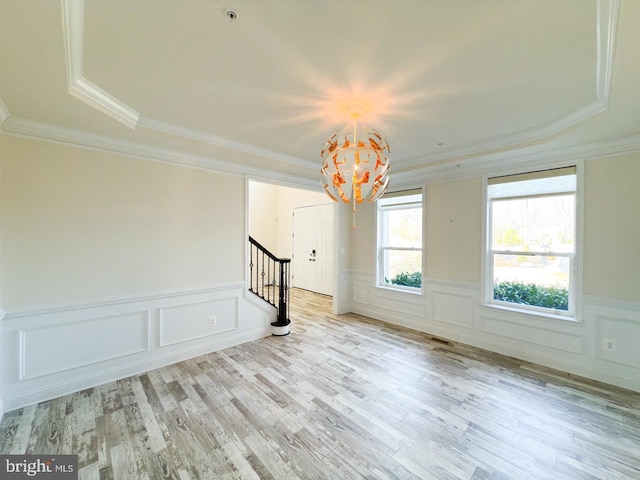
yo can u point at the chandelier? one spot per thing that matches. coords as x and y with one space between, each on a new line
355 165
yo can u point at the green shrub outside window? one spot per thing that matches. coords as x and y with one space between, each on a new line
406 279
555 297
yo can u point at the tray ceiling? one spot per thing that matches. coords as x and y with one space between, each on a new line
443 81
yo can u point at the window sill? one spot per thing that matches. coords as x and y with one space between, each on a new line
533 313
411 291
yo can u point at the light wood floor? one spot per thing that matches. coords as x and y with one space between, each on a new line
341 397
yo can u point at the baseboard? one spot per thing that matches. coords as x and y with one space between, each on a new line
51 391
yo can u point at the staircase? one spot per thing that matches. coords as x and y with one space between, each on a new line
269 279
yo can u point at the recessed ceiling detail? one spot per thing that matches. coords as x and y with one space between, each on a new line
458 88
606 15
80 87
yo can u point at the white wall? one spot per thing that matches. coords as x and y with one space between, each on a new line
363 239
80 225
612 228
451 303
263 214
452 212
103 257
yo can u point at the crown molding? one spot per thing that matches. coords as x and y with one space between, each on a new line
607 12
91 94
23 127
539 155
80 87
4 112
94 96
73 32
203 137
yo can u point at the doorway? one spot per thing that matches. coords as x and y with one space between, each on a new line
312 260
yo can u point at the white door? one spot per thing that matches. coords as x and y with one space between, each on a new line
313 248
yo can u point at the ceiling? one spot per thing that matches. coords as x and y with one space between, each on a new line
453 84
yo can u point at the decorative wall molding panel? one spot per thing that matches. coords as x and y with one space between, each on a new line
388 300
48 352
102 339
344 293
617 339
617 330
181 323
361 292
450 305
532 334
452 310
614 303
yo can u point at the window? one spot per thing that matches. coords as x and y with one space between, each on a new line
400 240
532 240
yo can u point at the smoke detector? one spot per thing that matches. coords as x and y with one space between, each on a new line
231 15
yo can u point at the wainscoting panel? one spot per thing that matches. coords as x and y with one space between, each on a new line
361 291
453 310
48 352
182 323
452 305
407 306
533 334
617 332
61 347
617 340
343 293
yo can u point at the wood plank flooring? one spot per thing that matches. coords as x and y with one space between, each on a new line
342 397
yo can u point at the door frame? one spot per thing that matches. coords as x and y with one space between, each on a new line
340 239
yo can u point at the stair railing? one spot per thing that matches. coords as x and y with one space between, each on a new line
268 274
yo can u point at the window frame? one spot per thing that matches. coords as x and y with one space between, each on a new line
574 313
381 248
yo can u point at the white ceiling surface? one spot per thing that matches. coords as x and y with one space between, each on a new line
448 82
